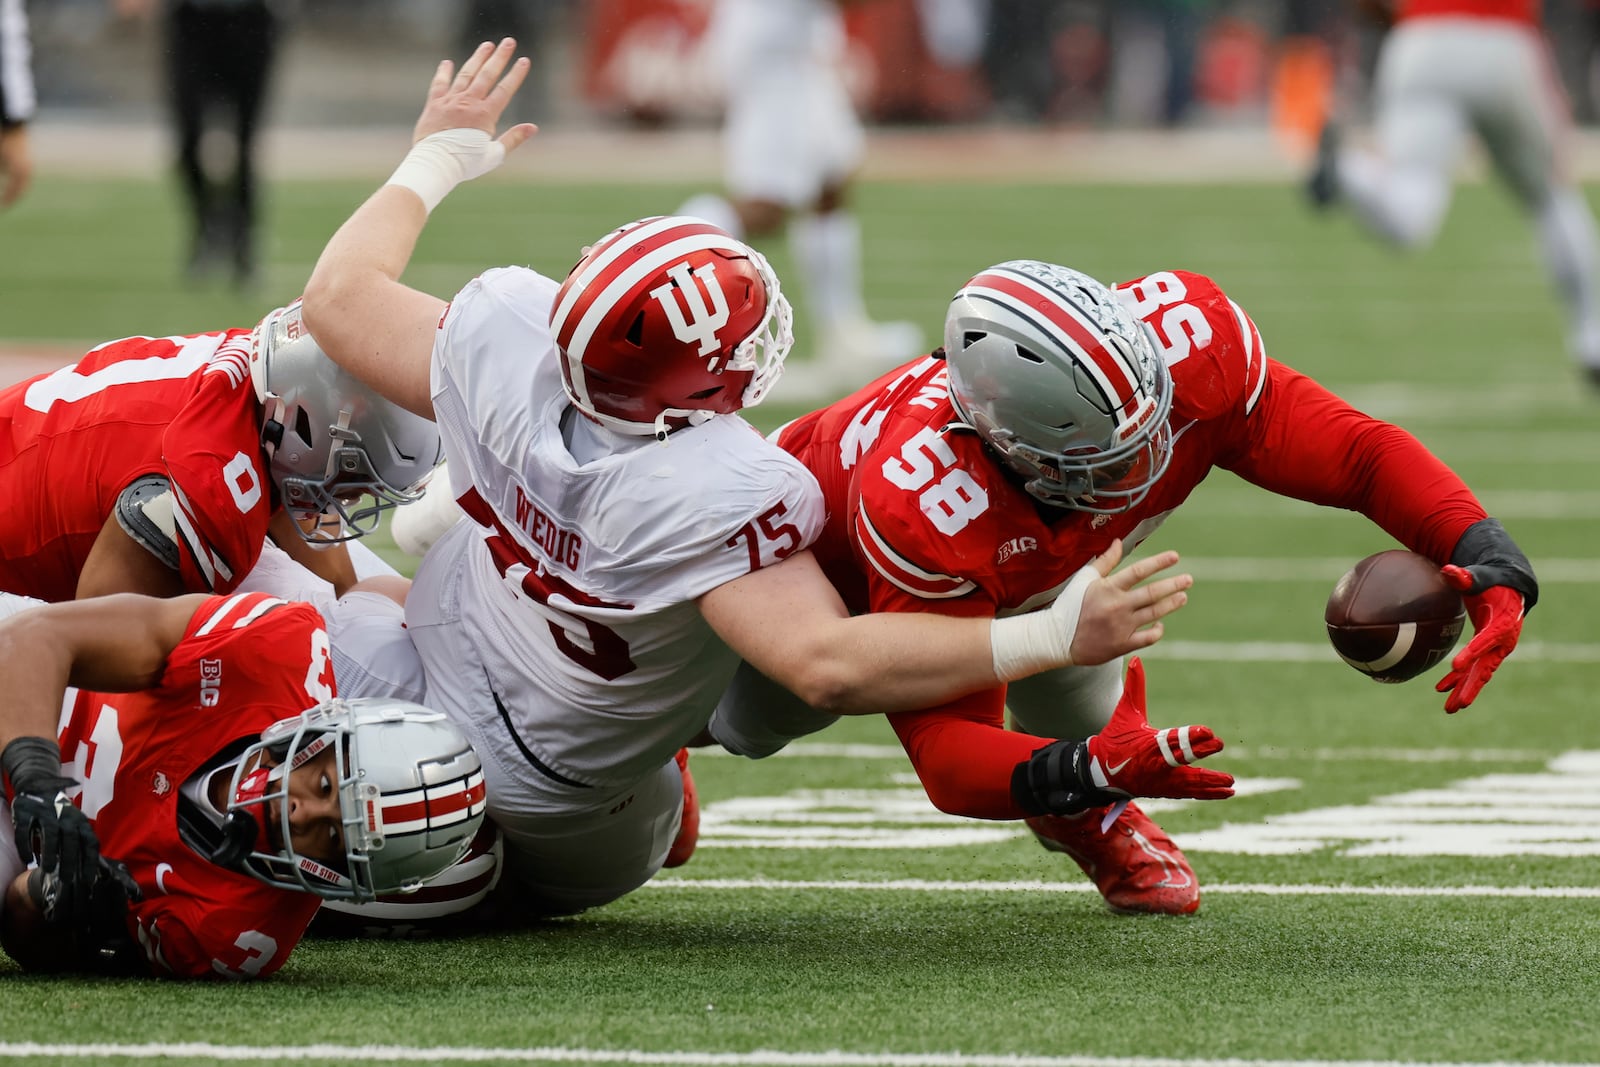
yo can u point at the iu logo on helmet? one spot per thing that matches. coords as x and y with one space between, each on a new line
695 319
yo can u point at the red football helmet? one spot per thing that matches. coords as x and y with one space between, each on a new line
667 322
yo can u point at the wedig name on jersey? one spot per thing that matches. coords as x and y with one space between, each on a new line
559 544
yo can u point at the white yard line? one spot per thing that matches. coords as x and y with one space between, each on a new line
917 885
759 1058
825 750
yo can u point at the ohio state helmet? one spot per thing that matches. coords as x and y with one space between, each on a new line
411 796
337 451
1062 382
667 322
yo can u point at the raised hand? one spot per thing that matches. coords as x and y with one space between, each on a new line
1120 614
475 96
1129 758
1496 612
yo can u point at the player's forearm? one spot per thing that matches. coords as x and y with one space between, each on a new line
357 278
1318 448
966 766
886 662
109 644
33 675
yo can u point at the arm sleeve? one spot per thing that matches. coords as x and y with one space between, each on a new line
964 755
17 99
1305 442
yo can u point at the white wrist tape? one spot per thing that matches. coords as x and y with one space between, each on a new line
441 161
1024 645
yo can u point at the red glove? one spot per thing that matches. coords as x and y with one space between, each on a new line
1496 614
1132 758
1128 758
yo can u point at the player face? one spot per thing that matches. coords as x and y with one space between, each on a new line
315 817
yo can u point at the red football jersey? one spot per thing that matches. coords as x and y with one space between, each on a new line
72 440
922 517
1526 11
245 662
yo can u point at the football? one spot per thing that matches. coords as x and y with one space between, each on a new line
1392 616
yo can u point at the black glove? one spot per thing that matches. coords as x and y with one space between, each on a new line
1055 781
1487 553
97 941
50 827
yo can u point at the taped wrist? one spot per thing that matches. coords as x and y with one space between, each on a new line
441 161
1487 551
33 765
1055 780
1024 645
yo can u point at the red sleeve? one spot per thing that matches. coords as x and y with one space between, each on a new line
222 496
1305 442
964 755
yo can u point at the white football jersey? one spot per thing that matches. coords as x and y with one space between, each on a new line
578 585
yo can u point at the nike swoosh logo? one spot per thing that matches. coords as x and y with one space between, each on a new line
1111 772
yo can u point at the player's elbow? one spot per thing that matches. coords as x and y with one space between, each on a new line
829 684
324 292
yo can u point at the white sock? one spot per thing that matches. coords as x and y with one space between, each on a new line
1404 208
827 252
1567 243
715 210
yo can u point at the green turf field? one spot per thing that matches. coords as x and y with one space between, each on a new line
1392 884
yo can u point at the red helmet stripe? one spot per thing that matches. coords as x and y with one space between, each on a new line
1114 376
620 282
600 268
433 806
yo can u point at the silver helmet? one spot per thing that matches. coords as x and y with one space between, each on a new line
1062 382
339 453
411 798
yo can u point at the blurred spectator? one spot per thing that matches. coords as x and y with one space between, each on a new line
1447 68
1017 57
792 140
16 102
1159 35
219 58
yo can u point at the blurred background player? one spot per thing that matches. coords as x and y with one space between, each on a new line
202 813
219 56
1060 418
17 101
791 144
1447 68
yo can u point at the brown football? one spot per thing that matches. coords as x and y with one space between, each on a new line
1392 616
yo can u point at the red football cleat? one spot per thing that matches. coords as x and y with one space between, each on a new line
689 826
1134 864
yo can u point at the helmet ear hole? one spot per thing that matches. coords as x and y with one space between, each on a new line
302 425
635 334
1031 357
706 393
971 338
